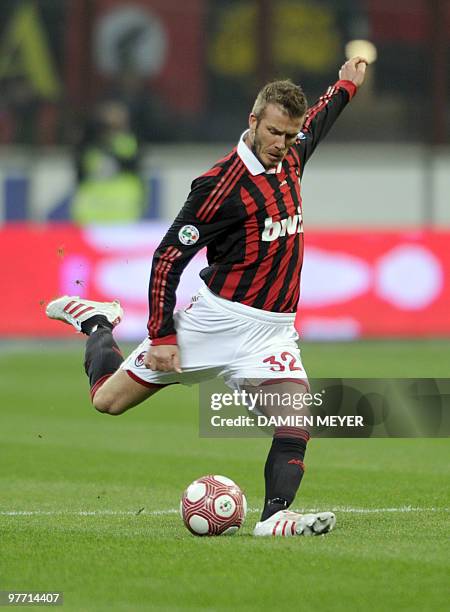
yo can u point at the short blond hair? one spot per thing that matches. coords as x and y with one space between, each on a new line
286 94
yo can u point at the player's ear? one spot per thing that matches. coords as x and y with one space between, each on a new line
252 121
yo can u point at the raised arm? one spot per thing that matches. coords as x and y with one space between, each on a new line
322 115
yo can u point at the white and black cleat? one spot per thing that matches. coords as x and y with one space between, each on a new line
74 310
286 524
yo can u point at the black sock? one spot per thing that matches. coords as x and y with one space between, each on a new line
99 320
283 474
102 357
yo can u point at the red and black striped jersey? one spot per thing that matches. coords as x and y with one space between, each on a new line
250 221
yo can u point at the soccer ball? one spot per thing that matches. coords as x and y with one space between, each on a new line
213 505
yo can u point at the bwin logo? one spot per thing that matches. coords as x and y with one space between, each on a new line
275 229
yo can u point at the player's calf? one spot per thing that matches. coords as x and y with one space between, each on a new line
284 469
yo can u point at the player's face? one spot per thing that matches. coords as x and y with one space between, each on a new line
272 134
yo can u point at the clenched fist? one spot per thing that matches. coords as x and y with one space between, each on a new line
354 70
163 358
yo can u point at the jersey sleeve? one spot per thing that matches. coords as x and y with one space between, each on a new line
321 116
203 218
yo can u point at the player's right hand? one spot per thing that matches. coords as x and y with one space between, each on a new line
354 70
163 358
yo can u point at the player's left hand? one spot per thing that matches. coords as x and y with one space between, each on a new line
354 70
163 358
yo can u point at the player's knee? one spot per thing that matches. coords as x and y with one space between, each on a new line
107 403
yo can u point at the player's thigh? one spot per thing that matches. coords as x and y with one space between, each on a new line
120 392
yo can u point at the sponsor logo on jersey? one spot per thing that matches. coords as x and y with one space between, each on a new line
276 229
188 235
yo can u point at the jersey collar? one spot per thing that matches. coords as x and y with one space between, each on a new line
254 166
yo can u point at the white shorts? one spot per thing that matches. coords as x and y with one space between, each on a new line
217 337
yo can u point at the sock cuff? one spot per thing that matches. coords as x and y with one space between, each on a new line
96 386
292 432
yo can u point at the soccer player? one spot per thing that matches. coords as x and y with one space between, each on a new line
247 211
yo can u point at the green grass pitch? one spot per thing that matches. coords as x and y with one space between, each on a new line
87 501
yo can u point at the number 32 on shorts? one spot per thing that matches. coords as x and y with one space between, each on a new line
284 361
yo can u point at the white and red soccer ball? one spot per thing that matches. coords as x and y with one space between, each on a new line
213 505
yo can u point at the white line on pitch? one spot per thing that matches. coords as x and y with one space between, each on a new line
343 509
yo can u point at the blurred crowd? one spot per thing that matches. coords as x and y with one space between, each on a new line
190 72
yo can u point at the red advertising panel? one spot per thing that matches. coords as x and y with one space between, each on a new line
369 284
355 284
102 263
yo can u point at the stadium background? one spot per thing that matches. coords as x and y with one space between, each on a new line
82 492
376 205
